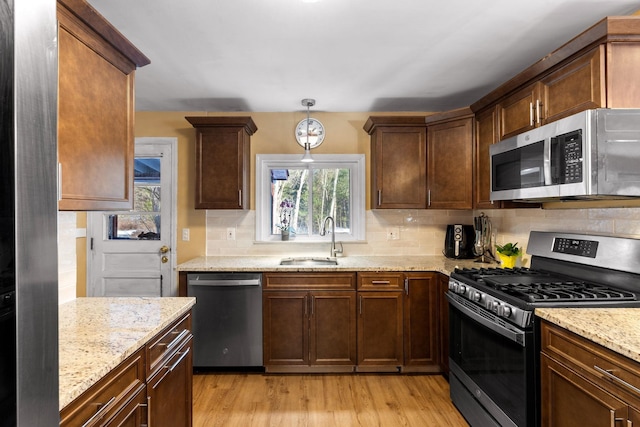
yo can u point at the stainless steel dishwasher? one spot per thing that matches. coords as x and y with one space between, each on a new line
227 319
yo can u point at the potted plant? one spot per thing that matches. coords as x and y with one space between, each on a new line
509 254
286 206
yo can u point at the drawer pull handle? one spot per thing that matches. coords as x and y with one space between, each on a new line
176 340
177 362
380 282
609 375
102 408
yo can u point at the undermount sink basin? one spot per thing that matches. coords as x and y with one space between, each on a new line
309 261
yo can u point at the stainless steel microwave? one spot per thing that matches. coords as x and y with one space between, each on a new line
594 154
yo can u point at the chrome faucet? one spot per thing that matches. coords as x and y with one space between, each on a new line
334 251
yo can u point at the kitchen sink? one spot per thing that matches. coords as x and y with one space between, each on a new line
309 261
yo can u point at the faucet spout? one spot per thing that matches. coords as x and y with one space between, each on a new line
333 250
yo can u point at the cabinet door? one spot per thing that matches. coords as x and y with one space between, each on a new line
169 392
332 328
486 135
421 345
95 120
577 86
399 167
568 399
222 164
380 329
450 165
518 112
285 328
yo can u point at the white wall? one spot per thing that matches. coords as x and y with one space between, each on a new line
67 264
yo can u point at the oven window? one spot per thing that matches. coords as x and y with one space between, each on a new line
519 168
502 368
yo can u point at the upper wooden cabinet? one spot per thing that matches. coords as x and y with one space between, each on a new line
223 159
596 69
575 87
486 135
450 160
96 68
398 162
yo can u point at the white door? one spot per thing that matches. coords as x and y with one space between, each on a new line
131 253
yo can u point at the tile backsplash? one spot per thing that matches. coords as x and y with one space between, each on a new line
421 232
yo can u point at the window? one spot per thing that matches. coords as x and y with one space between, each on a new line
298 196
143 223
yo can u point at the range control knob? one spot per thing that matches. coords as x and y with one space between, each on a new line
476 296
462 289
453 286
506 311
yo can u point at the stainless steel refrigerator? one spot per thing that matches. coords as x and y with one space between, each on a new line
28 214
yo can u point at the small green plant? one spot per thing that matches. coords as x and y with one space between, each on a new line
509 249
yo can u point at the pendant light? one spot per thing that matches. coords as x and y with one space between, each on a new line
309 132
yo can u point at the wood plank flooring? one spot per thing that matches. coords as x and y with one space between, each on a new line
368 400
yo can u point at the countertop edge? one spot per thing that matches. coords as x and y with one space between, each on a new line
617 329
133 339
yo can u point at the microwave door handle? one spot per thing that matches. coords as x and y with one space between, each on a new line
546 161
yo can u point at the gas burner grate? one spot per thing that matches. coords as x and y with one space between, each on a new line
565 291
478 274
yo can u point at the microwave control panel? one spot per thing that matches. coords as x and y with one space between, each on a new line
568 147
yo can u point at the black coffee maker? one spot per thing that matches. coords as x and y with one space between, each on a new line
459 241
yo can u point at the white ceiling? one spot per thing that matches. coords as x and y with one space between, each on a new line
350 55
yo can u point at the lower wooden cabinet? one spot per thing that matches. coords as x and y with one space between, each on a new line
584 384
169 391
421 335
110 396
151 388
380 345
309 329
318 322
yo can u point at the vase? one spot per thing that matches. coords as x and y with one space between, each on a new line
508 261
285 235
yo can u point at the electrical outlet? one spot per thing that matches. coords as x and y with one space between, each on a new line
393 233
231 233
185 234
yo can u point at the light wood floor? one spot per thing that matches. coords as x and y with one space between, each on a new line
368 400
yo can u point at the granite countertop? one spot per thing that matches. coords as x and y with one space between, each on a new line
347 263
97 334
617 329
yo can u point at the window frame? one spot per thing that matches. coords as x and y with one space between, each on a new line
354 162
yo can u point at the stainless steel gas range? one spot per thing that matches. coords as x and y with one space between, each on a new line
494 335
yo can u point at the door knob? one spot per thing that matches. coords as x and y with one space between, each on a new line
164 249
164 259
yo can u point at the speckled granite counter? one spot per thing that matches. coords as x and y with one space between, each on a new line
96 334
348 263
615 328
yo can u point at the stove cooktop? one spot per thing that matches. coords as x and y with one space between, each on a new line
533 286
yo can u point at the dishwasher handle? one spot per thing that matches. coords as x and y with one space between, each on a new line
227 282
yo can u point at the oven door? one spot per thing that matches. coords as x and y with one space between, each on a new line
493 367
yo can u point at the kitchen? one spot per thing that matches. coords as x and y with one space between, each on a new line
420 231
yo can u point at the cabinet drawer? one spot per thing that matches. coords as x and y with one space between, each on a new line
108 396
380 281
298 281
164 345
608 369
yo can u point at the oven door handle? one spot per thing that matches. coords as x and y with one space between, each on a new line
513 335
